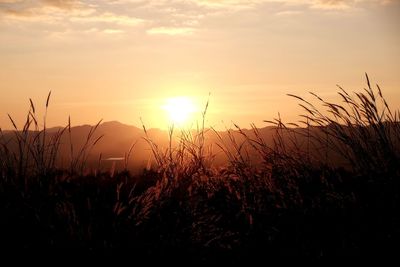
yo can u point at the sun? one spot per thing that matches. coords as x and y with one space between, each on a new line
179 109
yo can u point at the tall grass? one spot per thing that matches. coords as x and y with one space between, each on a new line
292 199
186 153
362 130
31 152
79 160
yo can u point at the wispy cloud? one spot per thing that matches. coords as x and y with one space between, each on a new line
46 11
9 1
173 18
113 31
64 4
288 13
108 17
170 31
332 4
70 15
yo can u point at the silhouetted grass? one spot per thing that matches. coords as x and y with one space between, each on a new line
291 200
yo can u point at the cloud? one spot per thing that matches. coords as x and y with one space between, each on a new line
64 4
46 14
288 13
113 31
108 18
68 15
158 17
231 5
170 31
332 4
45 10
9 1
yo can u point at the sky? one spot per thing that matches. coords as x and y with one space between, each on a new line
120 60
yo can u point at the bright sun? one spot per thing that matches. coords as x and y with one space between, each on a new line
179 109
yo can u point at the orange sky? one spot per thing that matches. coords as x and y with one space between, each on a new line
120 60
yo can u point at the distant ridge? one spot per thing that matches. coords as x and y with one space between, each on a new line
117 138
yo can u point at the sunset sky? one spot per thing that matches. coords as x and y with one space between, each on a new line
120 60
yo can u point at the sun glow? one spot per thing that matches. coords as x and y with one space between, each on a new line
179 110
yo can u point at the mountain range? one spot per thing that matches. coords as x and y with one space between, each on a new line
116 140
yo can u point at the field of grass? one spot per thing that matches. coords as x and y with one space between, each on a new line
295 202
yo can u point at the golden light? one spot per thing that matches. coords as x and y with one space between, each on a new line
179 109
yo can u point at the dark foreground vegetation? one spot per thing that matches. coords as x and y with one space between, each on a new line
294 202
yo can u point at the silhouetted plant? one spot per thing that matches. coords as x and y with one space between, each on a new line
291 199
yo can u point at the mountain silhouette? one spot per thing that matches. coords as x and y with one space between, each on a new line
116 140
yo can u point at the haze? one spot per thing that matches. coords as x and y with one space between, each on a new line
120 60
